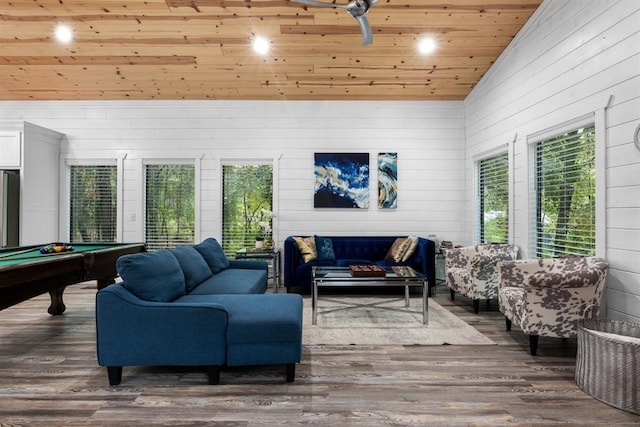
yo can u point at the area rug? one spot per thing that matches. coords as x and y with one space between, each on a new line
363 320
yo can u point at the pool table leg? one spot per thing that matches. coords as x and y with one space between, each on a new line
57 305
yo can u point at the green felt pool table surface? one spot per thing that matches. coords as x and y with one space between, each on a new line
27 254
26 273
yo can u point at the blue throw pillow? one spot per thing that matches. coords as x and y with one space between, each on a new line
152 276
195 268
324 248
213 254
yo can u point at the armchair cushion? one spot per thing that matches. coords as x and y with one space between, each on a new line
152 276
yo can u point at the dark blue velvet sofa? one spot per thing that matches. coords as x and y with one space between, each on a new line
191 306
356 250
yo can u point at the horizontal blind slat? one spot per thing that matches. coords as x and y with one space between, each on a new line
493 199
92 203
169 205
564 194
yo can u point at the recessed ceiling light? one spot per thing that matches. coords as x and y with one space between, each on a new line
427 45
261 45
63 34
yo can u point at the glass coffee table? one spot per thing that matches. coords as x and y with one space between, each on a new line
394 276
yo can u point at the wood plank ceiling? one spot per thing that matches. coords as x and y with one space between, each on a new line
201 49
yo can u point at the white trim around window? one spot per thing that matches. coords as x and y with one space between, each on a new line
597 120
477 158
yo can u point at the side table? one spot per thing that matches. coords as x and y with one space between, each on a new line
272 254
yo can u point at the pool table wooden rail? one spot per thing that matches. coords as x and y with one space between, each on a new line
20 282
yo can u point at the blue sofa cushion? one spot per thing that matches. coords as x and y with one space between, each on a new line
347 262
152 276
195 268
304 270
262 329
257 318
389 263
324 248
234 281
213 254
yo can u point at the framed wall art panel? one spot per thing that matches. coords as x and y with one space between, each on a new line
341 180
387 180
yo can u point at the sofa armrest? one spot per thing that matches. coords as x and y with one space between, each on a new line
427 252
131 331
509 275
565 279
292 259
249 264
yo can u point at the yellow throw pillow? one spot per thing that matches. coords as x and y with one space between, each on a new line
411 248
397 250
307 248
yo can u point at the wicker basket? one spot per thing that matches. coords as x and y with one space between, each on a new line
608 366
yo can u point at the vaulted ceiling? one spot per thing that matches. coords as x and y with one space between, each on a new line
201 49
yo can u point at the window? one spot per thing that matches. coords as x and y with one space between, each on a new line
247 192
92 204
493 199
565 185
169 205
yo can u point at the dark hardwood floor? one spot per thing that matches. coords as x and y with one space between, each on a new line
49 376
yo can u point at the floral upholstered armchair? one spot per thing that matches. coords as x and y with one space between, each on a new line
471 270
547 297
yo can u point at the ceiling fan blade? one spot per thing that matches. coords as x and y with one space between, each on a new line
321 4
367 35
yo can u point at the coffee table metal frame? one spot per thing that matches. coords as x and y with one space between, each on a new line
395 276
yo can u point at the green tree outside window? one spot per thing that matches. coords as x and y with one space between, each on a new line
247 205
565 194
92 203
494 199
169 205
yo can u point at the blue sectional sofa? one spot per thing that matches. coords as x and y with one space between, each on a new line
191 306
349 250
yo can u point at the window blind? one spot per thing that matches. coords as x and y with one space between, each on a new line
169 205
247 192
493 199
564 195
92 203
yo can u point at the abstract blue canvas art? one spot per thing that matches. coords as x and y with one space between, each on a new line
387 180
341 180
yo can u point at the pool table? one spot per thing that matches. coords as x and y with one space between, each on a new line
25 272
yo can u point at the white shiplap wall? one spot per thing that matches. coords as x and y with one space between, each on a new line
428 136
574 57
